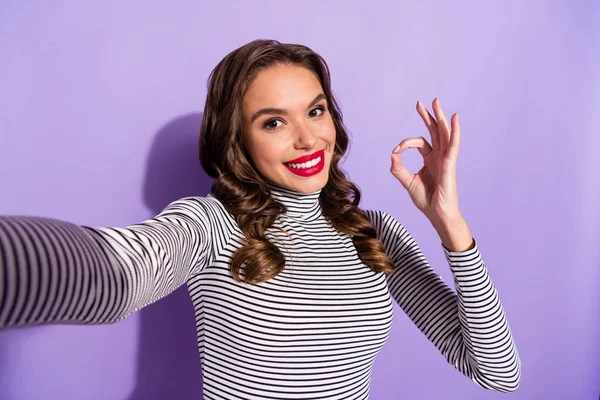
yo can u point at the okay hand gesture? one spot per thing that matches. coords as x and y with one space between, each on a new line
433 189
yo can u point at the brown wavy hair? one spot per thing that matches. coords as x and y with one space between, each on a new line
240 188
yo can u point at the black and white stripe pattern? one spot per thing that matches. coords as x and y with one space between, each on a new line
470 329
312 332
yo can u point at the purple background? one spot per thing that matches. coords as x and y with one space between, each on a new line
99 111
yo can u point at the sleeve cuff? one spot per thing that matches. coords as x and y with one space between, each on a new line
459 257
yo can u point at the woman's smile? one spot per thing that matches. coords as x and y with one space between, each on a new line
308 165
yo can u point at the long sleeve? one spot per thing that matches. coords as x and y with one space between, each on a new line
57 272
468 326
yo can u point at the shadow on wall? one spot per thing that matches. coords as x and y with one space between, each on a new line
168 359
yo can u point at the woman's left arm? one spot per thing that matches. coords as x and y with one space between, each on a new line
469 326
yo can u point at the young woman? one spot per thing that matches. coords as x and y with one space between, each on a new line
291 281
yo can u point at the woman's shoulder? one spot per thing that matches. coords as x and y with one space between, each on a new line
198 205
377 215
383 220
208 200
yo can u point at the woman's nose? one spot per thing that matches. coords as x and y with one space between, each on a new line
305 138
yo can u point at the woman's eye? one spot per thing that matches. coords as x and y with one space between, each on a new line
315 112
272 124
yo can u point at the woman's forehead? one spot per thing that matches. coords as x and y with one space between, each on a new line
282 86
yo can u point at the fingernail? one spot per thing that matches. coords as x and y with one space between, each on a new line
397 149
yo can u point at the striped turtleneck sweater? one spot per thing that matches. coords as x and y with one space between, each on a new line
311 332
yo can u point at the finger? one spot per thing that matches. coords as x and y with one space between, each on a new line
400 172
419 143
429 123
454 137
443 129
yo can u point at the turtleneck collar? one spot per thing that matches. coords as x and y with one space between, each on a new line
300 206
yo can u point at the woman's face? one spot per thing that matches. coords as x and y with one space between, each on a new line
287 129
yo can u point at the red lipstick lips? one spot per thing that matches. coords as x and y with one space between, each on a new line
299 165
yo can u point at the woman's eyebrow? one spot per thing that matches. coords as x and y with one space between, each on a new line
316 100
281 111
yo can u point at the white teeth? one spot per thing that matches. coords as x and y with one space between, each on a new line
309 164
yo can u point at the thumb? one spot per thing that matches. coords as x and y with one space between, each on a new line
401 173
